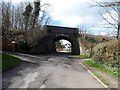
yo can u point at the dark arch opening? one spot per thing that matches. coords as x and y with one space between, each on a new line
57 39
63 46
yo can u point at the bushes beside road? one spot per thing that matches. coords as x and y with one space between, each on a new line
107 54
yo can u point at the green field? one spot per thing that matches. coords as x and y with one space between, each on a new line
9 62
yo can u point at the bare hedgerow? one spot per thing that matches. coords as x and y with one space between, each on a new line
34 36
107 53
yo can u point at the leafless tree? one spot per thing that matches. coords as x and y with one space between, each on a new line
112 11
38 18
5 18
13 22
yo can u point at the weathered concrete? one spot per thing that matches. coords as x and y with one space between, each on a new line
55 33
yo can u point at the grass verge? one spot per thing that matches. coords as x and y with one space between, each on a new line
84 55
9 62
97 70
102 79
101 67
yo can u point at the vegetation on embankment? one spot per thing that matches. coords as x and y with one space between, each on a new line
84 55
107 54
105 60
103 50
90 40
9 62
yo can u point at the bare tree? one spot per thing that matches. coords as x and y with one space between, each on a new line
5 18
23 22
112 11
35 18
26 14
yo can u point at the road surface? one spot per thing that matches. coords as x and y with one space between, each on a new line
51 71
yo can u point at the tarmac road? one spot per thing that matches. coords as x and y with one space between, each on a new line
51 71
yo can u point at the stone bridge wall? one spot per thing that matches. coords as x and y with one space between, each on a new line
47 44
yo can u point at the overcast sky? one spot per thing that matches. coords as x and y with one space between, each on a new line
71 12
74 13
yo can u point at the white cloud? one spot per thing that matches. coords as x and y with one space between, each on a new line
73 13
96 34
103 33
17 1
70 12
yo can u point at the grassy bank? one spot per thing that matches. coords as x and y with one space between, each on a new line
9 62
107 76
101 67
84 56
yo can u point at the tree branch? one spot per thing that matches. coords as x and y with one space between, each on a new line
108 11
108 21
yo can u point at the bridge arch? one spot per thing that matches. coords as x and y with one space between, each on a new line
69 34
62 38
47 44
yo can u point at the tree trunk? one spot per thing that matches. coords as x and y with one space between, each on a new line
118 22
118 32
91 50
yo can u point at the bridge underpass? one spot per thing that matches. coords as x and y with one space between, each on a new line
55 33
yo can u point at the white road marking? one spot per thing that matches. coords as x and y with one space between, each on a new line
94 75
28 79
